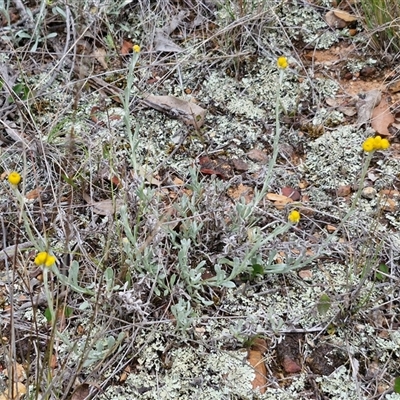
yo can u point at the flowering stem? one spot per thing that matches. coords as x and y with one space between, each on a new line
48 294
272 161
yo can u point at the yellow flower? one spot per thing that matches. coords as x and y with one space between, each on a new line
294 217
385 144
44 258
376 143
282 62
14 178
368 144
136 48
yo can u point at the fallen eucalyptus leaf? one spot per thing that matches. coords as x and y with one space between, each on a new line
104 207
382 118
190 113
365 105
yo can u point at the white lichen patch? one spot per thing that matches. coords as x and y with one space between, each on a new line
246 108
339 385
335 158
328 118
193 372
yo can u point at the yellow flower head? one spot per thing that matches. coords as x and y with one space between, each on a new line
136 48
282 62
368 144
385 144
44 258
294 217
14 178
376 143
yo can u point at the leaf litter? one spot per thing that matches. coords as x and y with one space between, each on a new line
293 305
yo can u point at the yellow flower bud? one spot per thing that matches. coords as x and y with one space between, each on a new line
377 142
385 144
369 144
14 178
282 62
44 258
136 48
294 217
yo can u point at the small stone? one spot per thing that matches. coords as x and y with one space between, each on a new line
343 191
368 193
239 165
257 155
331 228
368 71
291 192
390 205
290 366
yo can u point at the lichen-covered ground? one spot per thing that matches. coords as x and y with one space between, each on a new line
177 274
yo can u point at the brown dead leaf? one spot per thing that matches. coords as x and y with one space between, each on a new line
281 204
177 181
333 21
390 205
257 155
382 118
126 47
345 16
365 105
218 166
278 197
305 274
125 374
162 42
330 228
390 193
256 360
190 113
280 201
81 392
339 19
235 193
104 207
34 194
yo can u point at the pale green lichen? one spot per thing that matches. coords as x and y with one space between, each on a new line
354 66
339 385
335 159
328 118
392 396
